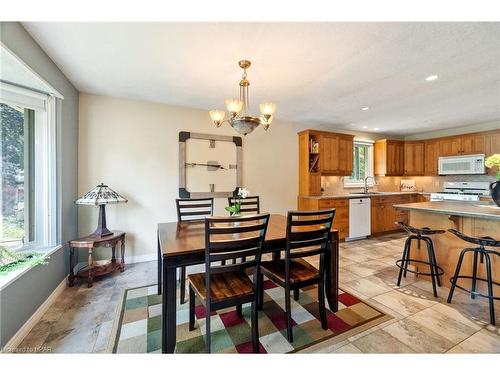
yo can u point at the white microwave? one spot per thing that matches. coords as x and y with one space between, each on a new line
463 164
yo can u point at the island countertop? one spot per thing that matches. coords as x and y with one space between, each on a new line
481 210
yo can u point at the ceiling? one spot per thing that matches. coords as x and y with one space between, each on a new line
320 74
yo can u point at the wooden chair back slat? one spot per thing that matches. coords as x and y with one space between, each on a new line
223 245
194 209
221 256
248 204
307 235
239 229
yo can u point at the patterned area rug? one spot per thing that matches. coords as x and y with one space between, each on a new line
137 327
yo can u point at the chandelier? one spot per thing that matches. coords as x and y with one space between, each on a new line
239 119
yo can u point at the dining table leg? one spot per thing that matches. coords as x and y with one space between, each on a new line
332 273
169 308
159 262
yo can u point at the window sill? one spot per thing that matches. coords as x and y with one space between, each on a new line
7 279
356 185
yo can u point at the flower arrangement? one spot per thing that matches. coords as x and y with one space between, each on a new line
494 161
238 195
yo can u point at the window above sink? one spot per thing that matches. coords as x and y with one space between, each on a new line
362 165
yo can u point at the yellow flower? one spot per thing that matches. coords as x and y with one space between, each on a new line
493 161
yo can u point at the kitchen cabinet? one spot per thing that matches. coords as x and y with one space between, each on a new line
384 216
431 157
322 153
492 143
341 205
449 146
492 146
388 157
462 145
473 144
341 219
336 154
414 155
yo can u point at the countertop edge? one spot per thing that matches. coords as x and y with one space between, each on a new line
448 211
356 195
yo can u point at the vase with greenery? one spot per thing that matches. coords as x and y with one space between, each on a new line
239 194
491 162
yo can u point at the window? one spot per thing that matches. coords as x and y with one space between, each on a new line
362 164
27 170
17 144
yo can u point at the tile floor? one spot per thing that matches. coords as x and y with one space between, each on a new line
80 321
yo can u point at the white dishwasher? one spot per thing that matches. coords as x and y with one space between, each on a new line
359 218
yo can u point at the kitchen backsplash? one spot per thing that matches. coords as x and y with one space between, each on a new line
335 185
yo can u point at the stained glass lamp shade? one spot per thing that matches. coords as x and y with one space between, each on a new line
100 196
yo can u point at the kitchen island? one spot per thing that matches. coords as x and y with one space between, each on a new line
475 219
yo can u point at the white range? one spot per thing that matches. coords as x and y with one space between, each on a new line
462 191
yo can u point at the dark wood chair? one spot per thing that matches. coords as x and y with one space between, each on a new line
307 235
248 204
224 285
192 209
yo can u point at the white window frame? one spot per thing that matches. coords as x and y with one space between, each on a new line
369 170
45 194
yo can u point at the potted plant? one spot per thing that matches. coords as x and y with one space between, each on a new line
494 161
238 195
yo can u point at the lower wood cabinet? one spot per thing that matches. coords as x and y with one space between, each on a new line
341 219
383 215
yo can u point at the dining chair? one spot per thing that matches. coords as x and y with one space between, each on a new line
191 209
225 285
248 204
307 234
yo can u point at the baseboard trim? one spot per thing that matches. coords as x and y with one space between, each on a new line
21 334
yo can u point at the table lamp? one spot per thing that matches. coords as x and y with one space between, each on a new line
100 196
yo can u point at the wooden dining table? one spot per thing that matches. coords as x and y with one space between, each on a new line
183 244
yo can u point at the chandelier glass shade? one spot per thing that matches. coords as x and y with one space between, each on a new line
239 119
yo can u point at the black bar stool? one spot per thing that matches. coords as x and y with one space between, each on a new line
484 254
420 234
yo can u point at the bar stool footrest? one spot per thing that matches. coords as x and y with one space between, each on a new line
470 291
439 273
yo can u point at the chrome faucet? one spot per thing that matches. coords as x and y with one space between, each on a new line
366 183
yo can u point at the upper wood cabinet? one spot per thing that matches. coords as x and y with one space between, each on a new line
336 154
492 146
462 145
473 144
388 157
492 143
322 153
414 158
431 157
449 146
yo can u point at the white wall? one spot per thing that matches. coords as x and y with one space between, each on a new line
133 147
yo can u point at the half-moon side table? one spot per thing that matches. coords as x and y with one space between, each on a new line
96 268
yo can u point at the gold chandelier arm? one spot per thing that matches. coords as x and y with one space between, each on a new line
219 124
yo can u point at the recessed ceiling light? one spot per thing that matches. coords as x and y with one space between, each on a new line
365 127
365 108
431 78
376 128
